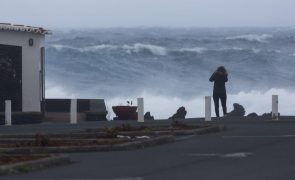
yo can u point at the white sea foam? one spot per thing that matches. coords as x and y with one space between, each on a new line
251 37
256 51
138 47
255 101
153 49
60 47
231 49
98 47
163 107
201 50
55 91
195 49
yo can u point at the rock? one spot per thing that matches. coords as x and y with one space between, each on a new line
268 115
252 115
148 116
180 114
239 111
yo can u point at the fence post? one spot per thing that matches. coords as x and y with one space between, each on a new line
73 111
8 113
208 108
275 107
140 109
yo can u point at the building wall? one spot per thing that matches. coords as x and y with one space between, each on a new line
31 65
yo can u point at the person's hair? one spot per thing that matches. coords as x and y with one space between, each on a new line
222 69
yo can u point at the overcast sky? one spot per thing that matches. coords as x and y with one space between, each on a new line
133 13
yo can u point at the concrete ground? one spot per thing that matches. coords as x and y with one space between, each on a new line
248 149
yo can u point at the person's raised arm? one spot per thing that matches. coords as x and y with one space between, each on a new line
212 78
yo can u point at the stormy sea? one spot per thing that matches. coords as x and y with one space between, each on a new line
171 67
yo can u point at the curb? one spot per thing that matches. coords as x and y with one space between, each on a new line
199 131
28 166
166 137
101 148
94 135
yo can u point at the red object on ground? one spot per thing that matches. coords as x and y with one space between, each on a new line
125 112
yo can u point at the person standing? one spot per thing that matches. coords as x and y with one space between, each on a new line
219 77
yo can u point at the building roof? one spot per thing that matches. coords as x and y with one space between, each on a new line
23 28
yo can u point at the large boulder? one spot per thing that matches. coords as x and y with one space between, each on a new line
268 115
252 115
239 111
148 116
180 114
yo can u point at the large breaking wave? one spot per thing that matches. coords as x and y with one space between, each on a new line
150 48
136 48
170 67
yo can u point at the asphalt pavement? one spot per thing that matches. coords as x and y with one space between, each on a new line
247 150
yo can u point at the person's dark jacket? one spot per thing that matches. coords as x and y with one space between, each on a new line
219 79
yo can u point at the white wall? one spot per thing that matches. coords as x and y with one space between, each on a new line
31 59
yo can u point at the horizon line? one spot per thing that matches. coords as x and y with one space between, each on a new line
167 27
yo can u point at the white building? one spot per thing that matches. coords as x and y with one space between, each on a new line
22 72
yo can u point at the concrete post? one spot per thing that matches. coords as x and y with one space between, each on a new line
8 113
208 108
73 111
140 109
275 107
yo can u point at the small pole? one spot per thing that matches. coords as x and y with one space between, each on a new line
208 108
73 111
140 110
8 113
275 107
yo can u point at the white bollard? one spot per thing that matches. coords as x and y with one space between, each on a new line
8 113
73 111
208 108
140 109
275 107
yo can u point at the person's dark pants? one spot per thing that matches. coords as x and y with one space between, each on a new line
222 97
